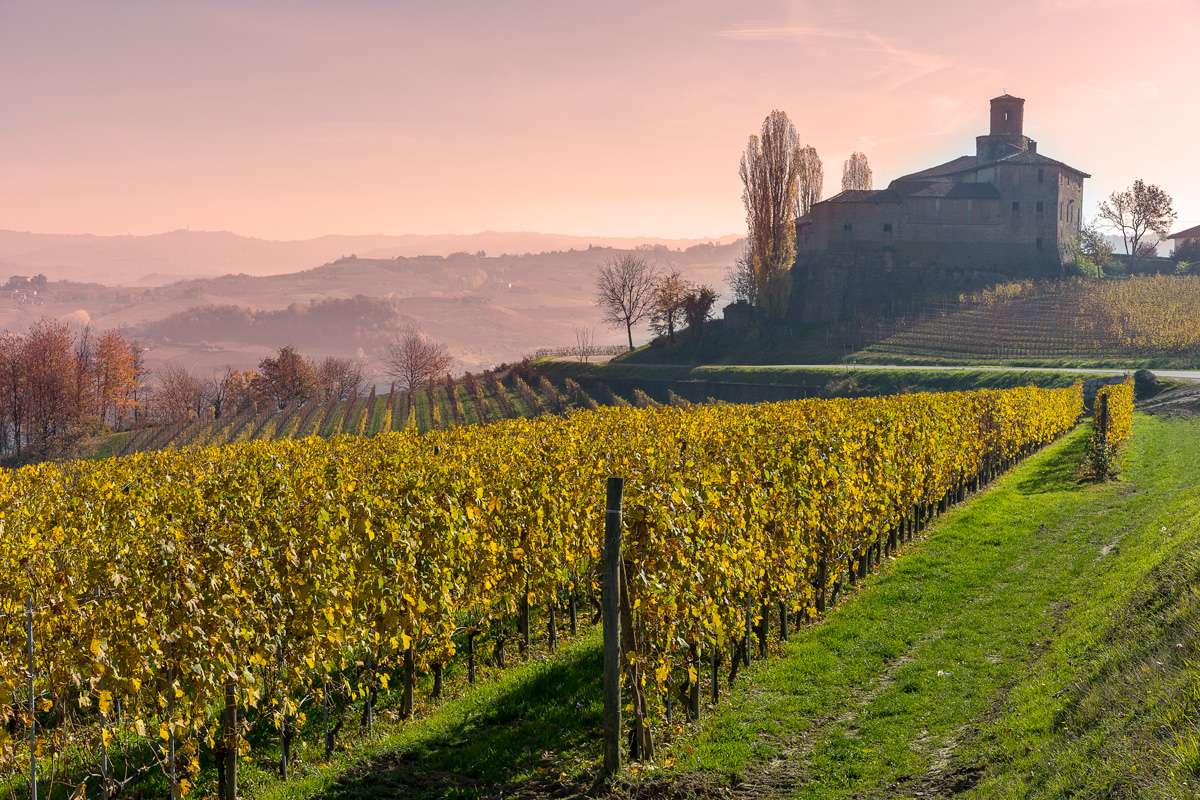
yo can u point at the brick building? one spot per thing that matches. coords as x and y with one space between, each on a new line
999 214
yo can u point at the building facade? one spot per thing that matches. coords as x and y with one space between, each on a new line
1003 213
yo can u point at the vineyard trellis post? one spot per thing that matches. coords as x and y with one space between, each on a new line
1104 422
611 609
32 699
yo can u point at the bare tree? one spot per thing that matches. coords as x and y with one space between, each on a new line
856 174
625 291
181 396
1135 212
413 359
811 180
585 342
770 170
217 387
338 378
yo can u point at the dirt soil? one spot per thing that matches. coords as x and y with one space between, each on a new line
1181 402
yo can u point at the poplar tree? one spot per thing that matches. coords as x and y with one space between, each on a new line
770 170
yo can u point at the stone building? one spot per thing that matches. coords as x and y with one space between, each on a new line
999 214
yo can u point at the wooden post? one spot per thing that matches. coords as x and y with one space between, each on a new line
471 656
694 697
410 670
716 677
1103 420
523 623
574 612
611 611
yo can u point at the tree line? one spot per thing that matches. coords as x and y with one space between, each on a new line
57 385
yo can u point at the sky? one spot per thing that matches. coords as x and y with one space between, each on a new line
290 119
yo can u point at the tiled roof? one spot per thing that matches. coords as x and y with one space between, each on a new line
1190 233
864 196
977 191
970 163
960 164
1026 157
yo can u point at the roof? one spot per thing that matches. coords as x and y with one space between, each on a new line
960 164
1007 96
1190 233
864 196
1026 157
971 191
963 164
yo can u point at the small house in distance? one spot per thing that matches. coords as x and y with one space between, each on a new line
999 214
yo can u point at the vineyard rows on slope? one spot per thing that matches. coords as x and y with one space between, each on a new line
469 400
1139 317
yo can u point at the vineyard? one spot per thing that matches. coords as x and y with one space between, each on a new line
1137 318
160 606
522 392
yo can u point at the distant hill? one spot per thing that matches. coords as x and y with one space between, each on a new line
166 257
487 309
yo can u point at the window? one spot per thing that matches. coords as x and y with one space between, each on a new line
1041 175
1060 211
1016 209
847 226
1039 243
1006 113
887 227
1040 208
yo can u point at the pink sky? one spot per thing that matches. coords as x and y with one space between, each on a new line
291 119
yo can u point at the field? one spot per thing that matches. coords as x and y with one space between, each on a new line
1145 321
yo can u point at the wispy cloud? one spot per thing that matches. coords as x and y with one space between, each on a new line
900 65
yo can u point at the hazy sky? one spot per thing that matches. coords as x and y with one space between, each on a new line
295 119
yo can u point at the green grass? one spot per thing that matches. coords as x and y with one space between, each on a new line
536 721
832 380
800 344
1038 622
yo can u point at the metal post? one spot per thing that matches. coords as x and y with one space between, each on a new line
103 747
611 611
32 701
171 719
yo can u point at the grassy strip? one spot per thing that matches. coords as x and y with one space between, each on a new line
536 720
961 665
871 356
837 380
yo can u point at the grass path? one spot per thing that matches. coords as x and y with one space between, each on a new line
954 669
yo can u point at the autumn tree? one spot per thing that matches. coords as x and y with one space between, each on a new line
667 311
625 291
1136 212
856 174
811 178
115 377
243 391
288 377
413 359
50 382
770 170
